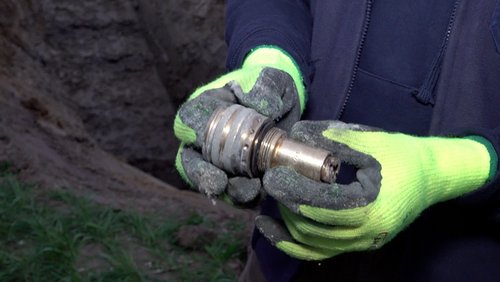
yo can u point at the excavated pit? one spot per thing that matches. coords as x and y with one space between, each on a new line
89 89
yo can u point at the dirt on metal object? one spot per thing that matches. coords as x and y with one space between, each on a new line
244 142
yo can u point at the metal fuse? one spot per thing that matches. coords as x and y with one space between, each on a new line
241 141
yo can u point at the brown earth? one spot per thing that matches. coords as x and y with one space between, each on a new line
89 88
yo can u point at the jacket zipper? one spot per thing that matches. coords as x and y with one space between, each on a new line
364 32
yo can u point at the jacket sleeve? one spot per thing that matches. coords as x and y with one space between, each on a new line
286 24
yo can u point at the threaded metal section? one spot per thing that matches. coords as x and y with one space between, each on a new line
268 145
241 141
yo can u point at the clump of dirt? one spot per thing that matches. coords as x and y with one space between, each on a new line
195 236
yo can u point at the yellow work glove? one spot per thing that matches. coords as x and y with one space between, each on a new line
270 82
398 177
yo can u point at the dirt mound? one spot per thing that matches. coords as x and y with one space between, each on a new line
82 92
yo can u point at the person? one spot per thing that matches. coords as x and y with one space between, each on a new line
407 94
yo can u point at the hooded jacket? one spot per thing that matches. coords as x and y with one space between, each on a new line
326 39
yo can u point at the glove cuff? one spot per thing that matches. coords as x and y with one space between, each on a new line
491 151
278 58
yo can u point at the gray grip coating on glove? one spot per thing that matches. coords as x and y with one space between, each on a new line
242 190
196 113
272 229
293 189
213 182
274 95
209 179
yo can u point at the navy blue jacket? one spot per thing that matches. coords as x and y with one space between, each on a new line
326 38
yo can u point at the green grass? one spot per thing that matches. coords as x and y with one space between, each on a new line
61 237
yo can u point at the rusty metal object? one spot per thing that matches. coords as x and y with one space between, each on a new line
243 142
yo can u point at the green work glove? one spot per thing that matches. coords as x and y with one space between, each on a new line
269 82
398 177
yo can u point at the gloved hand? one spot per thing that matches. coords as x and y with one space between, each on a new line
398 177
269 82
